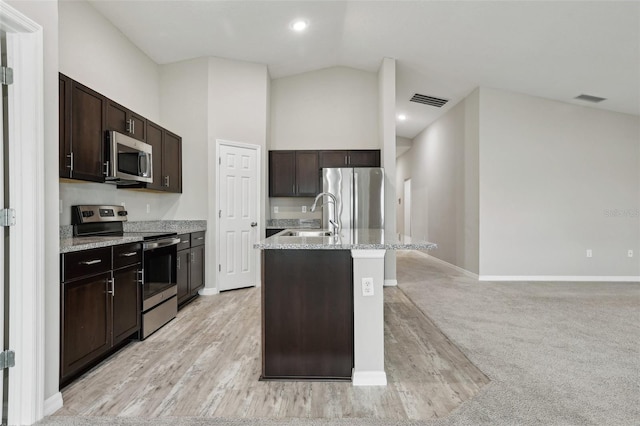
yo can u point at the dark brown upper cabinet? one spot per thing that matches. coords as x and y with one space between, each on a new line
167 159
125 121
293 173
84 117
355 158
82 121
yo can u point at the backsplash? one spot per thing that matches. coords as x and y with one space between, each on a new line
184 226
291 208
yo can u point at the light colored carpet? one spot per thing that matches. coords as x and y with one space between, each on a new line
557 353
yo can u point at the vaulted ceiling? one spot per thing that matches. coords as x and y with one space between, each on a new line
556 50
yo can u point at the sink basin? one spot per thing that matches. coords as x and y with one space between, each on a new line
306 233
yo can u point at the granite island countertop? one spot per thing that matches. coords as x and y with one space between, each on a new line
69 243
293 224
348 239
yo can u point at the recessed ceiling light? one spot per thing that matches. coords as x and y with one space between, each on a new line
402 117
299 25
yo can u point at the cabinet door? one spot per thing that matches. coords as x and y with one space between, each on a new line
86 322
64 125
196 276
172 162
334 159
154 138
117 118
182 275
138 126
87 137
366 158
307 173
282 169
126 303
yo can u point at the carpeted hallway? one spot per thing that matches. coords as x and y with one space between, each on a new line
556 353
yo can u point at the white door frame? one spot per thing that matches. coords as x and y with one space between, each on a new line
26 191
258 150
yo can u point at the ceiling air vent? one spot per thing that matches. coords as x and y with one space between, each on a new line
589 98
428 100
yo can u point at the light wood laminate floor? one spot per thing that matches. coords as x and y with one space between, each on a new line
207 362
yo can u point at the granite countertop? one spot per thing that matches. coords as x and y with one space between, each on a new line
348 239
69 243
293 224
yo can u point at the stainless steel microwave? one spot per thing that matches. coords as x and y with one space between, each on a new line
128 161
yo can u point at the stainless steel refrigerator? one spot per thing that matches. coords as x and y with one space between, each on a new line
360 197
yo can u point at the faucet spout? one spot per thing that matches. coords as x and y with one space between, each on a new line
335 223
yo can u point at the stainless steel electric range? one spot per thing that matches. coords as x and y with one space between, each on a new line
158 279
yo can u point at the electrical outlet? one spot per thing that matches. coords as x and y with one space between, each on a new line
275 209
367 286
148 208
304 209
123 205
589 253
630 253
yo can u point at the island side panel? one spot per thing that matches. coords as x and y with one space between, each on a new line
307 314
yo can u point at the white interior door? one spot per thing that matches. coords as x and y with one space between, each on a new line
238 213
407 207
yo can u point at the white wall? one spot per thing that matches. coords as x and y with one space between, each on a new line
238 94
332 108
46 14
387 135
184 110
89 47
551 174
98 55
443 167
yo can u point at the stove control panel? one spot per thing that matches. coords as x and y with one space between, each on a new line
96 214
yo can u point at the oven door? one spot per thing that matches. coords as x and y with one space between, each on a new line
159 271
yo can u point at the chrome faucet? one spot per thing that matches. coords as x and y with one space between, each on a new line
336 225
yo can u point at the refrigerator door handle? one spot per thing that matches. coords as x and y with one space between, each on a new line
355 200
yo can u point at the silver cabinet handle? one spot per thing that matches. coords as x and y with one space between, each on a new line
90 262
178 263
141 276
112 282
106 168
166 181
133 124
346 161
200 238
254 224
129 254
70 166
193 258
129 126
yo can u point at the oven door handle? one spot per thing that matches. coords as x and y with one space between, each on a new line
166 242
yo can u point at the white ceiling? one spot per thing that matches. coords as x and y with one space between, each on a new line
555 50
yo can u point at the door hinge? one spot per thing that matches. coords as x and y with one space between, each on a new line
219 160
7 217
7 359
6 75
219 213
219 268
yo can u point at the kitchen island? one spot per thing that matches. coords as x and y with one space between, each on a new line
322 305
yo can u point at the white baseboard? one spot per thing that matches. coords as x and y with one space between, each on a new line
208 291
450 265
369 378
586 278
390 283
53 404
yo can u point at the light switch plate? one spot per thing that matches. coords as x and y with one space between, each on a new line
367 286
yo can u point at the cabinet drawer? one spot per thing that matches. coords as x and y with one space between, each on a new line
185 241
127 254
197 239
85 263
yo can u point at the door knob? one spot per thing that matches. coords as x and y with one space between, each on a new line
254 224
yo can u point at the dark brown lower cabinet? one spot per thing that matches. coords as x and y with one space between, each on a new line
86 322
307 315
190 266
100 305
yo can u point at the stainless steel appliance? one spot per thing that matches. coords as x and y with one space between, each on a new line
129 161
359 197
158 280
